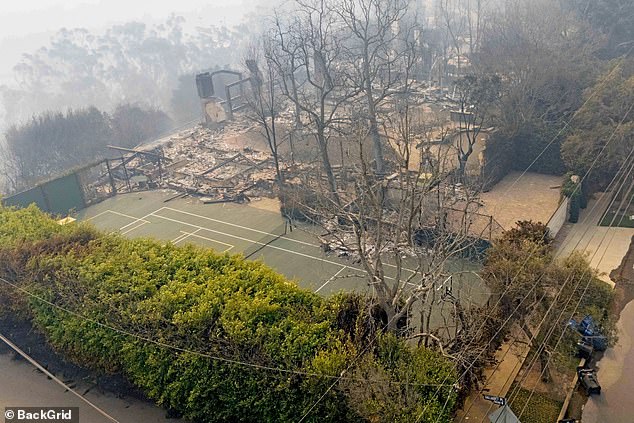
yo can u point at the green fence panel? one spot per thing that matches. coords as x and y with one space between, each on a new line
25 198
57 197
64 194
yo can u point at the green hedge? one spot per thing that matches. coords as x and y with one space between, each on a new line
213 304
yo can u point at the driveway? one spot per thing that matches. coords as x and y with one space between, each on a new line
605 246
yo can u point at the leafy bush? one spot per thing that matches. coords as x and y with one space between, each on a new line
214 310
535 232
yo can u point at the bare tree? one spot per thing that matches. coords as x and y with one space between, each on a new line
375 51
264 100
454 22
10 170
403 229
308 55
474 11
477 95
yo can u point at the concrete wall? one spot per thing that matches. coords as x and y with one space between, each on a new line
558 218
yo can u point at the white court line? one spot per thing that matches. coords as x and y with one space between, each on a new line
97 215
261 243
310 244
145 222
239 226
194 234
177 239
269 245
114 212
332 278
141 218
126 215
183 236
236 226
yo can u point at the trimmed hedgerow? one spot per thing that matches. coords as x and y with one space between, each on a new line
206 304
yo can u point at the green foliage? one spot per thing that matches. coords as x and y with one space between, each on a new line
516 264
535 232
479 91
610 20
27 224
396 361
540 408
132 124
520 260
540 290
53 143
546 60
602 138
575 206
210 305
499 157
593 296
570 188
537 144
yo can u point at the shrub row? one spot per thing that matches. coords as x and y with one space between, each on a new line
195 304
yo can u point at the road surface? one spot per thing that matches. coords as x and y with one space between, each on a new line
21 384
616 376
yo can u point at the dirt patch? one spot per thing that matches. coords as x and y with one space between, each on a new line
555 389
530 196
265 203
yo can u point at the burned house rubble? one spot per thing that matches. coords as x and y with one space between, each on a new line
198 161
201 163
231 162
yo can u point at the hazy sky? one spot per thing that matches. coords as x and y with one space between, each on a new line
26 25
23 17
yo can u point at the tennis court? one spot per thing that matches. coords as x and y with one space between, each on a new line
246 229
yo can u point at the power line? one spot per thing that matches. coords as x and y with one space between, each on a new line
357 356
526 261
202 354
506 193
228 360
568 278
55 379
595 91
590 169
616 176
574 115
580 298
525 171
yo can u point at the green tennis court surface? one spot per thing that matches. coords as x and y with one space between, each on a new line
251 231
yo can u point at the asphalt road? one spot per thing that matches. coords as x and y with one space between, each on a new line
616 376
22 385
